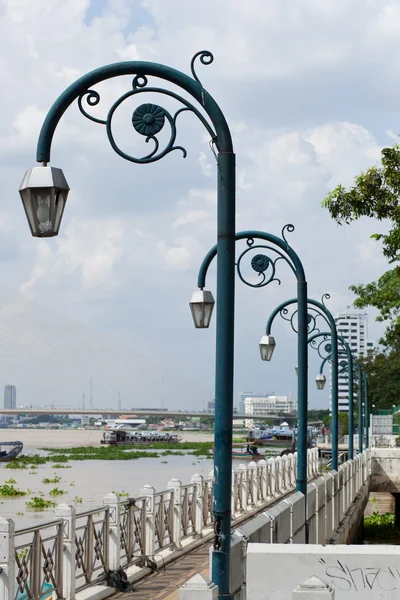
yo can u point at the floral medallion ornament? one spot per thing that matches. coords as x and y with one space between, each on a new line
328 348
260 263
148 119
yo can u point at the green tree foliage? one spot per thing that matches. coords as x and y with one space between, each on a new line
344 423
383 372
376 194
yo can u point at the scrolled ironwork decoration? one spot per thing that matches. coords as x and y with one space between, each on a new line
261 263
323 347
289 228
325 297
149 119
313 314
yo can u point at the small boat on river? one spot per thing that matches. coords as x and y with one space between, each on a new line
10 450
247 452
120 437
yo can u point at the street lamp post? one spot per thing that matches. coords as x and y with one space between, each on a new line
44 193
320 310
350 371
265 267
362 381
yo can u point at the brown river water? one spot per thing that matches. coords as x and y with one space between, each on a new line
88 480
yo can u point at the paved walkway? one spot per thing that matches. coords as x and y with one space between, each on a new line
381 502
164 584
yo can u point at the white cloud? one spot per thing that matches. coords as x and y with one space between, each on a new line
309 92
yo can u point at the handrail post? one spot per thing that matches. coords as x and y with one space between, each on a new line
197 481
272 476
242 485
263 483
176 487
114 503
148 492
68 514
253 484
7 559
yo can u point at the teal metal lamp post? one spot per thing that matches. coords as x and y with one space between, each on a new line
316 309
265 267
362 387
44 192
366 402
350 374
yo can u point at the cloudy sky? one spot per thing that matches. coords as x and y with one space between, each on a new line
309 91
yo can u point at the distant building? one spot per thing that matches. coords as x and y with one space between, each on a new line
211 406
270 404
353 327
245 395
10 396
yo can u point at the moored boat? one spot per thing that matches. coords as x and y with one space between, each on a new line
10 450
120 437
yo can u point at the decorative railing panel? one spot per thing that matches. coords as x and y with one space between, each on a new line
132 529
39 561
163 520
91 541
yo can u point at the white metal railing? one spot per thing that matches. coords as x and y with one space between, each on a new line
76 550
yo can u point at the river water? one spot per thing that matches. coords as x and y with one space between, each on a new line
86 483
87 480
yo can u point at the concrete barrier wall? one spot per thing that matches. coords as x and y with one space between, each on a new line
385 469
335 508
353 572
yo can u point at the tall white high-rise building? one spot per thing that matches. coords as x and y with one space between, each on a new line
353 327
10 396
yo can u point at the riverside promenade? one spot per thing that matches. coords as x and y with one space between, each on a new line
70 556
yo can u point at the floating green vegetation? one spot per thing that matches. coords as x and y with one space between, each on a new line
23 462
55 479
39 503
164 462
57 492
77 500
129 452
19 514
22 553
11 480
121 494
10 490
381 527
62 466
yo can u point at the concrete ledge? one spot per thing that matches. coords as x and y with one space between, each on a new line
351 527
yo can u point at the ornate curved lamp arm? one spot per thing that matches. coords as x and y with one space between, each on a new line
319 309
283 251
148 119
328 317
265 267
345 350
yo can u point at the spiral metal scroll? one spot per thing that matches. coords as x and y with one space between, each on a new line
322 346
261 263
148 119
314 315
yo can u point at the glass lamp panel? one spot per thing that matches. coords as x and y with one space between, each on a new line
201 306
267 347
320 381
59 205
27 204
43 211
201 313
